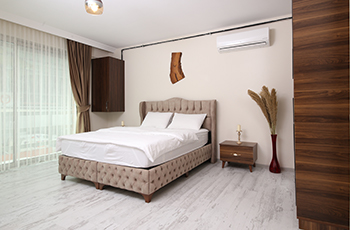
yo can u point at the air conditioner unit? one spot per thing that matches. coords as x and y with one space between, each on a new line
246 39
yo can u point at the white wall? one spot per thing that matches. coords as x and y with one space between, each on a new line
225 77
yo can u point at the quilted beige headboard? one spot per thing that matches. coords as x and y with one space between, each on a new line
180 105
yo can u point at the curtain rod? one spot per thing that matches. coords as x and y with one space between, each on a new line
204 34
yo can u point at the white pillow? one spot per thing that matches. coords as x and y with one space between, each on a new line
157 120
187 121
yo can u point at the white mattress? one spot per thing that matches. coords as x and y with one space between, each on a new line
124 155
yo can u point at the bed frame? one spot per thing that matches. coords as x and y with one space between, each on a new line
147 181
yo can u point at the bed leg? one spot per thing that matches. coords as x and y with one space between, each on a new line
97 185
100 186
63 177
147 197
186 174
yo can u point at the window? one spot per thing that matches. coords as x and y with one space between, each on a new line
36 99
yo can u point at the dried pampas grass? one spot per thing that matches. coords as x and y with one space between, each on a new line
268 104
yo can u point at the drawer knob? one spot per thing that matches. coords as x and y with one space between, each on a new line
236 154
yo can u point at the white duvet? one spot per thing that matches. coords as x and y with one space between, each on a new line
153 142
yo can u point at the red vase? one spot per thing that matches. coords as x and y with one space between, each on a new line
274 165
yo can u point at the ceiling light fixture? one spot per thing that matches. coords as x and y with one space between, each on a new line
94 7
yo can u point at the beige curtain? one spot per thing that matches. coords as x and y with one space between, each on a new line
79 56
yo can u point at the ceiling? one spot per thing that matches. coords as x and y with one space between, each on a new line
135 22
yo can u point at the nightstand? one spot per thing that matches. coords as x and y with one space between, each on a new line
245 153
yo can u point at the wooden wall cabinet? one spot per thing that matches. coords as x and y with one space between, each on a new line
321 113
108 85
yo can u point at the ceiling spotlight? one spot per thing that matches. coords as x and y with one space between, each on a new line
94 7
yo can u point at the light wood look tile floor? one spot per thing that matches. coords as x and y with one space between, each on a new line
34 197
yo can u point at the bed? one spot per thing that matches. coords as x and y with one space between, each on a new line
146 181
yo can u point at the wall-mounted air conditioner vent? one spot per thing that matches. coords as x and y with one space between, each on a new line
246 39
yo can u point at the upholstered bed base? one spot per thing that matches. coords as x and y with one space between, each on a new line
143 181
147 181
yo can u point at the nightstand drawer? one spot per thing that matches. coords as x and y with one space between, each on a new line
239 155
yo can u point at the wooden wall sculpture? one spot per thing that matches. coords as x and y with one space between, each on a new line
176 73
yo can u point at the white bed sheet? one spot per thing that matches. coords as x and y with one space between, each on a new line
125 155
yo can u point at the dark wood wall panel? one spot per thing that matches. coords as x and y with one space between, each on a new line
321 112
315 171
311 37
306 224
326 58
304 9
331 211
310 113
322 96
308 150
326 79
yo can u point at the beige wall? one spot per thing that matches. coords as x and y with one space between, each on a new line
225 77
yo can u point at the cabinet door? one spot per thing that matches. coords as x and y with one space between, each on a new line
100 85
116 86
107 85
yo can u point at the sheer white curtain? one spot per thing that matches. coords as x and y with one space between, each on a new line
36 99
